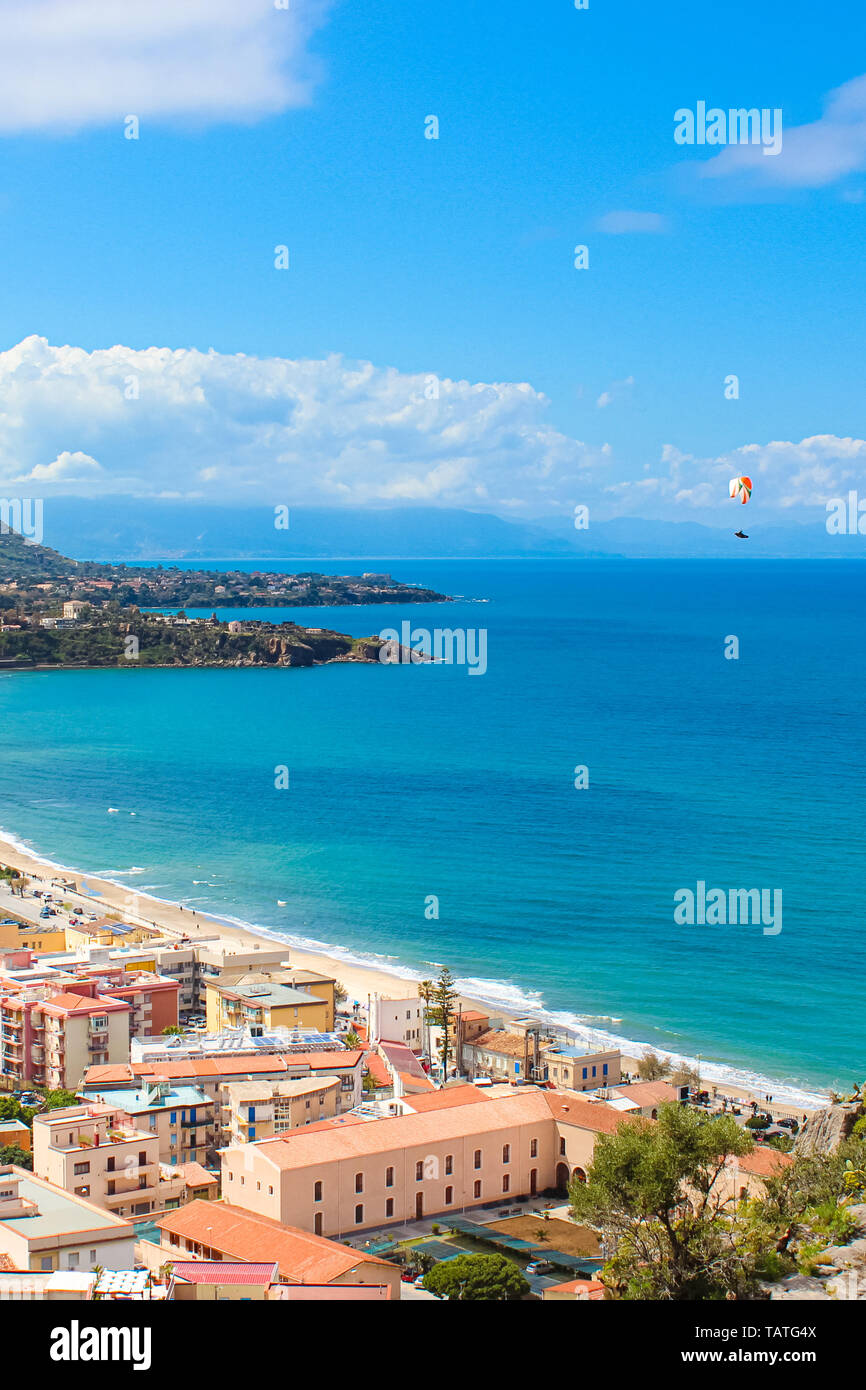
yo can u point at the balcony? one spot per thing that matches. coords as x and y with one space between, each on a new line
195 1124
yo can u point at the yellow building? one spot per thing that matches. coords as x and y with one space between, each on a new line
270 999
106 932
27 936
262 1109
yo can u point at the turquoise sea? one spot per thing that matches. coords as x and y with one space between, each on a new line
419 780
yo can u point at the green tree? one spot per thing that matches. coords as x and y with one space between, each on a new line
171 1029
340 992
10 1153
59 1099
658 1192
478 1278
444 999
651 1067
352 1041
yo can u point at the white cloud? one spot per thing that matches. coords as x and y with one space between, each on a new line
238 428
67 64
786 475
66 468
812 155
625 222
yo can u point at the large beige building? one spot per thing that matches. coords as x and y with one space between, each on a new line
458 1150
94 1152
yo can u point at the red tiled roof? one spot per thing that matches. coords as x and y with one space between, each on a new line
592 1287
569 1108
764 1161
82 1004
225 1272
376 1067
221 1066
448 1096
302 1257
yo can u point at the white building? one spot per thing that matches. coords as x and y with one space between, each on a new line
398 1021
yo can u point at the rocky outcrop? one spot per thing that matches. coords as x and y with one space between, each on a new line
825 1130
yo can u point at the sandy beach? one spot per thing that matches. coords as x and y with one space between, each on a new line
112 899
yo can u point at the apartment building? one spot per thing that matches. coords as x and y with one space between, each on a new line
459 1149
254 1110
51 1038
397 1021
575 1069
184 1119
270 999
44 1228
210 1074
95 1152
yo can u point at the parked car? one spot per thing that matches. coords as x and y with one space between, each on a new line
787 1123
407 1276
539 1267
419 1282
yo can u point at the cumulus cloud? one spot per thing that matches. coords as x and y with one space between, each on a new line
625 222
164 422
66 468
68 64
813 155
787 475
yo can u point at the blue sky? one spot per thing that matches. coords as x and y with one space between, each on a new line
452 256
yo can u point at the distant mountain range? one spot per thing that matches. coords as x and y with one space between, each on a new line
133 529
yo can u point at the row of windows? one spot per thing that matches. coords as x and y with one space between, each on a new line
447 1202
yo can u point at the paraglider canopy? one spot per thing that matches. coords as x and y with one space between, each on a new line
741 489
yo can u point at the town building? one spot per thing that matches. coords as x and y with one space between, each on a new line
270 999
184 1118
95 1152
254 1110
575 1069
218 1231
44 1228
14 1132
462 1150
51 1038
397 1021
221 1281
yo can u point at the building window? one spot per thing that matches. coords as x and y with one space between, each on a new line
477 1158
73 1259
533 1148
477 1189
449 1196
317 1192
80 1168
389 1177
449 1165
506 1182
46 1263
389 1206
270 1191
359 1182
584 1073
506 1153
359 1214
604 1070
419 1170
562 1146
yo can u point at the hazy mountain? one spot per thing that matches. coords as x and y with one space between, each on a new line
132 529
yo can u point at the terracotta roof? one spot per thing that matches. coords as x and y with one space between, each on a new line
303 1258
648 1092
235 1065
376 1067
82 1004
413 1083
569 1108
764 1161
472 1014
299 1148
498 1040
195 1175
224 1272
444 1099
592 1287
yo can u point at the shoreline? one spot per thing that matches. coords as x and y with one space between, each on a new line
361 979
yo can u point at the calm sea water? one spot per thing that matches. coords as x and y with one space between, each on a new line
413 781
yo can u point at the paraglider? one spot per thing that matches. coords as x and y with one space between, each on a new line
740 489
